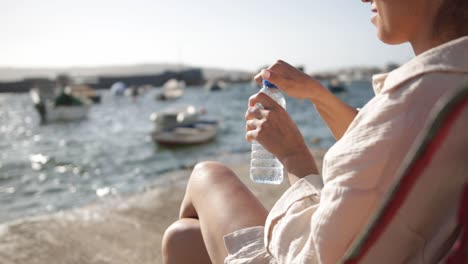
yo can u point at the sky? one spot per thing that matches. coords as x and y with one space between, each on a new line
241 34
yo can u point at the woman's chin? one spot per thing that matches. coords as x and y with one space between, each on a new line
387 35
388 38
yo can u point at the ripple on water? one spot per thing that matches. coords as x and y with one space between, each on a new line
26 204
51 189
5 178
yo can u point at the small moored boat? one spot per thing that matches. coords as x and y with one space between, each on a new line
62 108
85 91
336 86
118 89
171 90
182 126
213 86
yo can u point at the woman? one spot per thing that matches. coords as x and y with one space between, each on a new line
315 222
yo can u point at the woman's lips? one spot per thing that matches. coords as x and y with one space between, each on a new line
374 16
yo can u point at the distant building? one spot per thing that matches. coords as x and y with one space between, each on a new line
351 74
24 85
191 77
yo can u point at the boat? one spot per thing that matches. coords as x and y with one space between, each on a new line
172 89
63 107
183 125
118 89
336 86
85 91
215 85
199 132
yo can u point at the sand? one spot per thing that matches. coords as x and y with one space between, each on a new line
115 230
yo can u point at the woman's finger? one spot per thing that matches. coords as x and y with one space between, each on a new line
264 74
264 100
251 135
257 112
277 73
258 79
252 124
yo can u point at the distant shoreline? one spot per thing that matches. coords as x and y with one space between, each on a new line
19 80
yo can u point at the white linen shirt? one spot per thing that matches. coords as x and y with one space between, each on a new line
311 224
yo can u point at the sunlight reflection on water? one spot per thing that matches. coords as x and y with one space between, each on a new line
51 167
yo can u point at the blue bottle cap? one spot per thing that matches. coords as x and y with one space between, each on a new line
268 84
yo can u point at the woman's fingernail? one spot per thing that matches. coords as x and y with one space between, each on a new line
266 74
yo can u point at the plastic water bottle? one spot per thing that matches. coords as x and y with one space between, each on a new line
264 166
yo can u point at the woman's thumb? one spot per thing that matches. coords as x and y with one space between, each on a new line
272 77
267 75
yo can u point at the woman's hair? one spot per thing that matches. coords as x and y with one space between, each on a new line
452 19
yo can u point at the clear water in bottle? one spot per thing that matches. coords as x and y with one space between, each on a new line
264 166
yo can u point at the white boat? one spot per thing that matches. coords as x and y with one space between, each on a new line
182 126
215 86
49 111
118 88
171 90
198 132
66 113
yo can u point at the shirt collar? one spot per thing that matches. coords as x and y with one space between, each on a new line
448 57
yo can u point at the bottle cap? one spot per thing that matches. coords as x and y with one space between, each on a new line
268 84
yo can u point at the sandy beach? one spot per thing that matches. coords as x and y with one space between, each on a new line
115 230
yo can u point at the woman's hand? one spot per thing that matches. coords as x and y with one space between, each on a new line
272 127
337 114
292 81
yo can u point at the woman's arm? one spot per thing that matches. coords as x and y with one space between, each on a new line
336 114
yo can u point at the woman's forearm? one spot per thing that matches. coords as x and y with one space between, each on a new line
299 166
336 114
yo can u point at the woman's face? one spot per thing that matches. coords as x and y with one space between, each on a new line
399 21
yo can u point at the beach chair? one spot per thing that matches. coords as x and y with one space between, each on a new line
429 197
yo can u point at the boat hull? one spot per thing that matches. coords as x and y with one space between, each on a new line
186 135
65 113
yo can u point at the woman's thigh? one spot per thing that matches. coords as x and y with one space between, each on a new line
222 203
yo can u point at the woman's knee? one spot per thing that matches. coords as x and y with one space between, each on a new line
173 235
207 178
178 236
210 173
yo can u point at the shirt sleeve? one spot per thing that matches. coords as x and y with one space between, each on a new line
289 221
246 246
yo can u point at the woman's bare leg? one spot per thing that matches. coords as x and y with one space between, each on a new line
183 243
221 203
